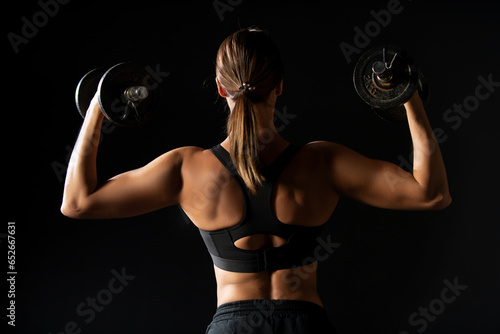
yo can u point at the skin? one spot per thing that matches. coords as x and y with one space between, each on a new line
193 178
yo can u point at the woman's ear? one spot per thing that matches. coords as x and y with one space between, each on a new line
222 91
279 89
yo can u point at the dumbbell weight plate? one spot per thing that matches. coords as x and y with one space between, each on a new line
398 113
390 96
113 103
86 89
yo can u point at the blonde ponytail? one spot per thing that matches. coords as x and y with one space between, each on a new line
248 67
242 132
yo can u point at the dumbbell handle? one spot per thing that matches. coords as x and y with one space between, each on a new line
383 73
136 93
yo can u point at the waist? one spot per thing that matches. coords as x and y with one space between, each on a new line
288 284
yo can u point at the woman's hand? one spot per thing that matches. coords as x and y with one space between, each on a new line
94 109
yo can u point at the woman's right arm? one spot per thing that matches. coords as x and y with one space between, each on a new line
152 187
385 185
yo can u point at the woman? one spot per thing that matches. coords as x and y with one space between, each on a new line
258 200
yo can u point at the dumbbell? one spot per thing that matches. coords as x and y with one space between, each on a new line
385 78
124 94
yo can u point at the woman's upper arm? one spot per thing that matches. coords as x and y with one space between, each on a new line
149 188
374 182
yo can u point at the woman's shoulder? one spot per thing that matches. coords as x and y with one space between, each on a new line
187 152
323 148
182 157
195 158
325 152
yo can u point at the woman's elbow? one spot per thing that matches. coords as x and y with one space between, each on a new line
441 201
72 210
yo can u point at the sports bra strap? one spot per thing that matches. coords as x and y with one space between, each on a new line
271 171
225 158
259 218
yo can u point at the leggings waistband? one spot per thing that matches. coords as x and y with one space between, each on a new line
266 306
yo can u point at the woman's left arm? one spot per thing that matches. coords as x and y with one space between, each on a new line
383 184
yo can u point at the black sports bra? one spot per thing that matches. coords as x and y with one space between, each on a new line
259 218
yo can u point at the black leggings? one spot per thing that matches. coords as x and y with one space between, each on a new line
270 316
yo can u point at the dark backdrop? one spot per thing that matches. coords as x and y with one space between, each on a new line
390 272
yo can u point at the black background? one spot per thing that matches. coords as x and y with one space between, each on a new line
389 263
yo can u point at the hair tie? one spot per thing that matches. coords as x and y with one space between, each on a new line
246 86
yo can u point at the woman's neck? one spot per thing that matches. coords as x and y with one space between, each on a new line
271 144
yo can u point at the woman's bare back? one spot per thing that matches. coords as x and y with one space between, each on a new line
213 200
